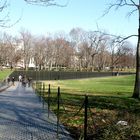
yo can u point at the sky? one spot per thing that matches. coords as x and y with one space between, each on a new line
85 14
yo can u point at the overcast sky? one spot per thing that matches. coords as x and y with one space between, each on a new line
85 14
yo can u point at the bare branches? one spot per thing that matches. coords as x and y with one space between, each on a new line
45 3
4 18
120 38
5 15
3 6
134 3
122 3
132 12
125 38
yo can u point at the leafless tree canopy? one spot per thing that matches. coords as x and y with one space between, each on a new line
79 50
85 50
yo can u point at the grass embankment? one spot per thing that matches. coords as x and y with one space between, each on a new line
4 73
109 102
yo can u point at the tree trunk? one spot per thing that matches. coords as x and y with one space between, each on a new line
50 66
40 66
92 63
136 93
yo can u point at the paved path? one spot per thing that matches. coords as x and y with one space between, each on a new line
23 118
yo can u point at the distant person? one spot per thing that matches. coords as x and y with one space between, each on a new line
20 78
24 81
8 80
117 73
13 80
29 81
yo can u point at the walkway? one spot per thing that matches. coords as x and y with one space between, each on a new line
23 118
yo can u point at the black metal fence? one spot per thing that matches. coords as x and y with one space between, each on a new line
70 111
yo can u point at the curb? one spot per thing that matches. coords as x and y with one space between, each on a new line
4 88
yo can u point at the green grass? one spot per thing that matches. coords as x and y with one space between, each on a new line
108 86
4 73
109 101
104 93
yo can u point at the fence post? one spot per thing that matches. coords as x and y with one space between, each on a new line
85 117
43 90
49 91
58 107
35 86
39 91
43 96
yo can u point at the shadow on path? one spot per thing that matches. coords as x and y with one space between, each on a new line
23 118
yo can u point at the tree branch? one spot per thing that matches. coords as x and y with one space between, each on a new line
46 3
134 3
125 38
130 13
121 3
4 5
118 37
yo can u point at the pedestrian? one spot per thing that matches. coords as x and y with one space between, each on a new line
24 81
29 81
13 80
8 80
20 78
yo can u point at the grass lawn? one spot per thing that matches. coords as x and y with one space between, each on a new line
107 86
4 73
104 93
109 101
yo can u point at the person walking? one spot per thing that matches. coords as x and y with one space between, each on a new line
13 80
20 78
8 80
29 81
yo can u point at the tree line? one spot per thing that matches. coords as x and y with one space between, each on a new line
79 50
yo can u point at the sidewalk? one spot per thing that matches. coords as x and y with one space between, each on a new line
23 118
4 87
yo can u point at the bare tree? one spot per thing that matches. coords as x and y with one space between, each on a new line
103 56
96 40
26 44
135 7
7 50
115 52
49 49
78 39
61 53
126 56
39 52
10 49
